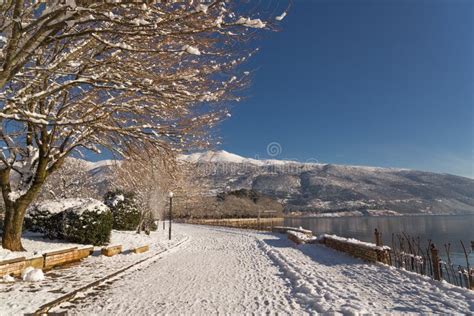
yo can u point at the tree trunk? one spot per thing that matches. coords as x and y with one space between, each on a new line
13 226
140 224
15 210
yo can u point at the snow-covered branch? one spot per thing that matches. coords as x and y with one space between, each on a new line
121 76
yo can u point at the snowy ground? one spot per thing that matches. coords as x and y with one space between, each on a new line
230 271
26 297
35 244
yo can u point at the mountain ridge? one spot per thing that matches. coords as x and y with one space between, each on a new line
316 188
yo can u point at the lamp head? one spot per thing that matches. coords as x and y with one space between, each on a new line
170 194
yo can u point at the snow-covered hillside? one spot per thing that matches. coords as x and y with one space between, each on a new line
317 188
223 156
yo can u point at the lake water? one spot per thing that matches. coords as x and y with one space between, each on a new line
440 229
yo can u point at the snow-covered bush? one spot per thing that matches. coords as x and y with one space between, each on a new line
125 210
91 226
47 218
85 221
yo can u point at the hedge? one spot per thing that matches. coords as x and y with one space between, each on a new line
85 221
125 209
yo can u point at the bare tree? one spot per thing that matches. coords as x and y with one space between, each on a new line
193 191
149 177
82 75
73 180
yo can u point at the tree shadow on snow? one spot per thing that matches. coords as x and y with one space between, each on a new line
316 252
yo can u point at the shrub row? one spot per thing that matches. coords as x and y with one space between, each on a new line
88 221
126 212
85 221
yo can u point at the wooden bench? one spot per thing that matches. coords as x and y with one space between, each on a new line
110 251
141 249
12 266
35 262
46 261
64 256
16 265
59 257
85 252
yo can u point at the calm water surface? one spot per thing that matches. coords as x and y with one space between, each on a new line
440 229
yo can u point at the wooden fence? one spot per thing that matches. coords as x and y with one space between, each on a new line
409 253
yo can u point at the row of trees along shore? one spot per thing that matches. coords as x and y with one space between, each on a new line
122 76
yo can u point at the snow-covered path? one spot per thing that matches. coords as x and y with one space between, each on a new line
214 272
325 280
231 271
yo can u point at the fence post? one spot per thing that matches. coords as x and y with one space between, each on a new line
435 262
378 239
470 279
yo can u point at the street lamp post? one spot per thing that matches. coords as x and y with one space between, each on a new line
170 195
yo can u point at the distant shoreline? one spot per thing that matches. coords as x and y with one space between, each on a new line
335 215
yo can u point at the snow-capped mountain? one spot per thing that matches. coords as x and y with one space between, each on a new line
320 188
223 156
315 187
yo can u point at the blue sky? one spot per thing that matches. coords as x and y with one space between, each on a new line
382 83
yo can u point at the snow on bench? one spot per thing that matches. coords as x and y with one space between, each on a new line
300 238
